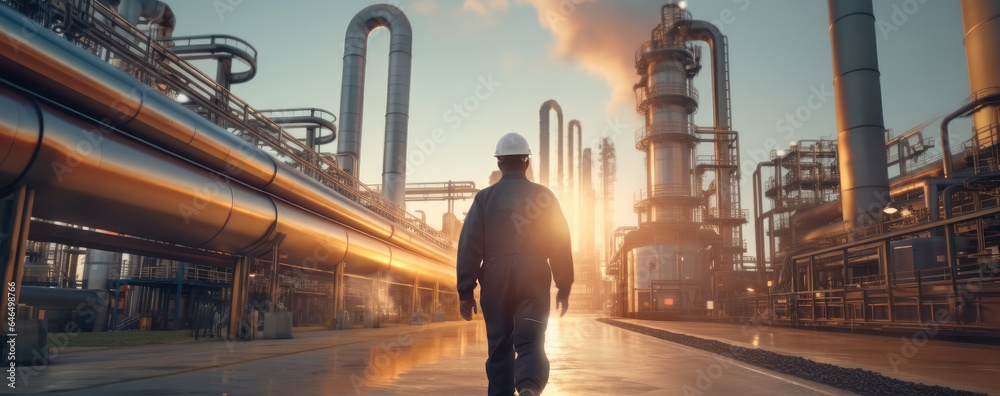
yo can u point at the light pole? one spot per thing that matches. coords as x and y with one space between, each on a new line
680 277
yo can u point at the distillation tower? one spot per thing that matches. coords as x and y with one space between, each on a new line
687 234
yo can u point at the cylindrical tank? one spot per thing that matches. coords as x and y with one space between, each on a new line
666 101
98 267
981 23
667 272
864 177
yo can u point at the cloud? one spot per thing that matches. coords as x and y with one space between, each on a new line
485 7
425 7
602 36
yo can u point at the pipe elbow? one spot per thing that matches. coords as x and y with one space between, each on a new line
704 31
551 104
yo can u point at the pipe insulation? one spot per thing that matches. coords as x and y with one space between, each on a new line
87 175
981 25
45 62
352 95
864 177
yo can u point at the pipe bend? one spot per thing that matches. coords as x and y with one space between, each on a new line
946 160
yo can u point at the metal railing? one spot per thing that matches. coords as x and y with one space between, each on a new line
983 270
727 214
683 128
222 39
192 272
126 46
665 191
921 146
675 89
659 45
303 112
865 281
712 162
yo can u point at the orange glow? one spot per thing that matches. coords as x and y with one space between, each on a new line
668 301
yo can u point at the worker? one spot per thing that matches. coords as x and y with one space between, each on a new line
515 242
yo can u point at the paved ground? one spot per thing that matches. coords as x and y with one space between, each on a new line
587 358
964 366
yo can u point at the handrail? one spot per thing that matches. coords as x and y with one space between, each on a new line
681 89
212 44
730 213
213 39
661 128
665 190
300 112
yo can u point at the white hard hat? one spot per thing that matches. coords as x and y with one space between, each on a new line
512 144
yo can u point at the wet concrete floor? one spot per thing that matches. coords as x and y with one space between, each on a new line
587 358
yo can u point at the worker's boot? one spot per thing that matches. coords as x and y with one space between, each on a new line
526 391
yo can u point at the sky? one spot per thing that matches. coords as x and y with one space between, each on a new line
482 68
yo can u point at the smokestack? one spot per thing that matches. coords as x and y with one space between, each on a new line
864 177
543 145
981 24
352 96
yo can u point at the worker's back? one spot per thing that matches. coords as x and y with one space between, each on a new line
520 217
516 216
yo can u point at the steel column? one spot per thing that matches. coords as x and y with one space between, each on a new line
16 220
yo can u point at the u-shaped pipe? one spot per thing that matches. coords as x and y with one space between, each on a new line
543 144
352 96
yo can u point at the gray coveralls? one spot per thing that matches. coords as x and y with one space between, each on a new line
513 233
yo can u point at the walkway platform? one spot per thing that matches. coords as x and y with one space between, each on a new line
587 357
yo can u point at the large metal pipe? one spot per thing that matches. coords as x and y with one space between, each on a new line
711 35
864 177
352 96
722 117
977 106
981 24
587 213
579 140
543 143
45 62
90 176
97 268
574 197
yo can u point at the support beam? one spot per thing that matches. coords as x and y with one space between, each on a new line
15 218
177 301
239 296
339 316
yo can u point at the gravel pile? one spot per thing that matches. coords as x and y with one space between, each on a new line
856 380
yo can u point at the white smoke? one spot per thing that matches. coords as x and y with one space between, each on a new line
602 36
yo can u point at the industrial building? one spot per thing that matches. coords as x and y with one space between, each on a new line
838 242
687 251
142 194
185 203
